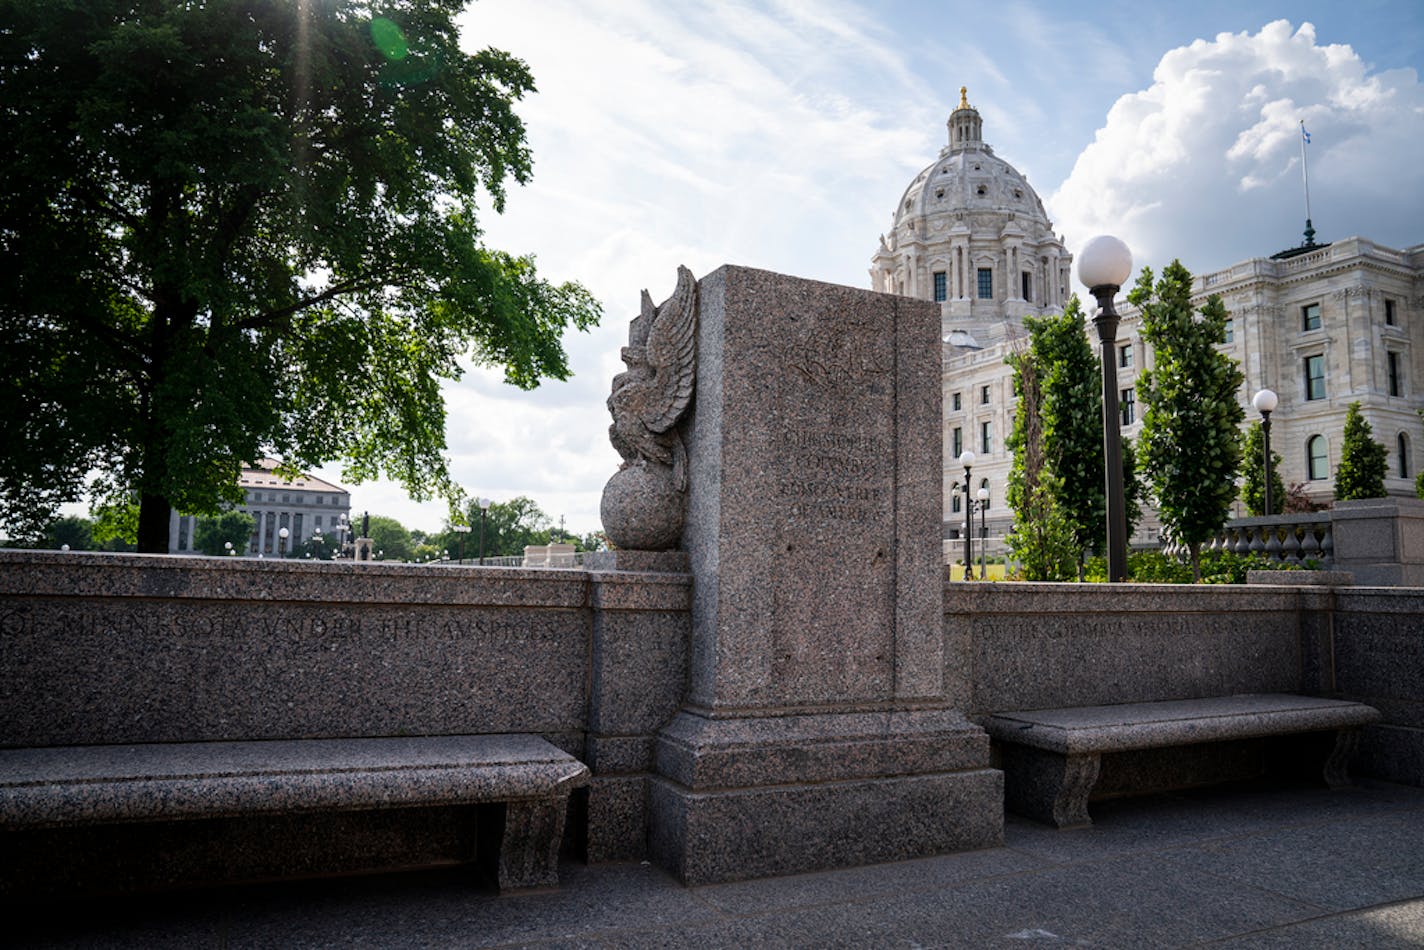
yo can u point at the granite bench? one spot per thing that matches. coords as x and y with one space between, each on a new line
1052 757
519 844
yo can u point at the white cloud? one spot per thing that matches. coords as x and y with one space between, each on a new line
1205 163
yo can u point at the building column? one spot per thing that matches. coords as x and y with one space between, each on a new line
261 517
172 530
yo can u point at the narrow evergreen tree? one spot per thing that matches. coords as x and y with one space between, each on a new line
1363 461
1042 537
1191 440
1070 378
1253 485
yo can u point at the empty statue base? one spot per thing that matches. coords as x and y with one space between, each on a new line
753 797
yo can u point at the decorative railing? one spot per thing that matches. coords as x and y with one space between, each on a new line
1290 539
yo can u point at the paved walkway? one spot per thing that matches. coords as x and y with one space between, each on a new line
1246 866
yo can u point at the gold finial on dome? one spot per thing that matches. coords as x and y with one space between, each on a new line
964 97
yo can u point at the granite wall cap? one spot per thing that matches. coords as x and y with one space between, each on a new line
1302 578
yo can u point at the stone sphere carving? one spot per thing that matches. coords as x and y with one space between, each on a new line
642 509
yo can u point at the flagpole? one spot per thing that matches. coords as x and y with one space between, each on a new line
1305 178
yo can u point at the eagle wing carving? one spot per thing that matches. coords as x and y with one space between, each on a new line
648 400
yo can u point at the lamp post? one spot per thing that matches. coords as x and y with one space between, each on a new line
484 504
1265 402
1104 266
227 548
461 530
282 535
983 496
966 458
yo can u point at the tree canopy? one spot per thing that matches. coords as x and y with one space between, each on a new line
1190 447
234 228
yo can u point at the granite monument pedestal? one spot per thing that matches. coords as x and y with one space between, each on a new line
821 726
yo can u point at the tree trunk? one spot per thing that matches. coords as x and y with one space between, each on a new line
1195 549
153 513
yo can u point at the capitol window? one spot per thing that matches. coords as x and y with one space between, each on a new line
1124 355
1028 286
1317 464
983 395
986 283
1127 404
957 442
939 286
1315 377
1395 387
1310 316
1230 330
1401 443
986 437
1389 313
957 403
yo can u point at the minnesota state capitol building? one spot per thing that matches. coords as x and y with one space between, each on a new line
1323 325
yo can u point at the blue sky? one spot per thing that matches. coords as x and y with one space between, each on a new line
780 134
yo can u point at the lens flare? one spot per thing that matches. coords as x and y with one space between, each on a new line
389 39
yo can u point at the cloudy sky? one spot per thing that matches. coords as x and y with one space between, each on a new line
781 134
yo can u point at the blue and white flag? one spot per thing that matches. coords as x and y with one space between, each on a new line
1304 134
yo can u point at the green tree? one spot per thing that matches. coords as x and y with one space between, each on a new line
390 538
1071 380
212 535
74 531
1070 421
1363 461
1190 445
116 523
1131 487
247 227
510 526
1042 537
1253 484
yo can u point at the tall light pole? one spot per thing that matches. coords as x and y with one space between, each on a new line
966 458
983 497
1104 266
461 530
282 535
1265 402
484 504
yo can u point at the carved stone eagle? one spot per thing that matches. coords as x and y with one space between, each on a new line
648 400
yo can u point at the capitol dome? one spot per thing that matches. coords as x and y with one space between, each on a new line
970 233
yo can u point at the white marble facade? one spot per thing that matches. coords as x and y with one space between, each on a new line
970 233
302 506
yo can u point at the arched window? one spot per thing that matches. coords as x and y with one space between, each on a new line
1402 443
954 504
1317 463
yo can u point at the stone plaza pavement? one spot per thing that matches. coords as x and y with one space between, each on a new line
1260 865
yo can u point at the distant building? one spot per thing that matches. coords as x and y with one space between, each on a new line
303 506
1322 325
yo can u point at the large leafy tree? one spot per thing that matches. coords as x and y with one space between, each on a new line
238 227
1363 461
1253 483
1190 445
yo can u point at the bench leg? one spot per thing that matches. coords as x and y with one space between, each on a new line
529 845
1337 765
1049 786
